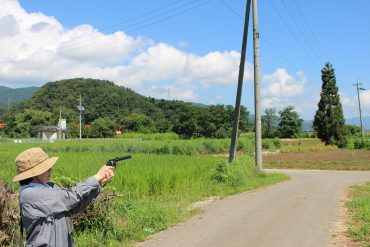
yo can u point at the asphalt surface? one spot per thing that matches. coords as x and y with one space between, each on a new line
300 212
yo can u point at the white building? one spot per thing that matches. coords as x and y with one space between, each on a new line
54 132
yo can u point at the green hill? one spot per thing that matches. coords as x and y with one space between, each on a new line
108 106
9 96
99 98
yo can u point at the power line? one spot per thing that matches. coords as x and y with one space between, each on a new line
147 22
148 13
292 33
263 37
302 33
232 10
278 52
170 16
310 30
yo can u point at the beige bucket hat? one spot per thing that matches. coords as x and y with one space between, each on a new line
33 162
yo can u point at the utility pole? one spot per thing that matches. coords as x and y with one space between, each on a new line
257 100
357 84
240 84
80 109
60 123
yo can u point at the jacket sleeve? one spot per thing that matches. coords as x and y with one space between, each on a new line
43 202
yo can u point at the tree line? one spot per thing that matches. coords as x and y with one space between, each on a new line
109 107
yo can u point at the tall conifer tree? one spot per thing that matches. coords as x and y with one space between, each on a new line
329 119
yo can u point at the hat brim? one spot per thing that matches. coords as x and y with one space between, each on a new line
36 170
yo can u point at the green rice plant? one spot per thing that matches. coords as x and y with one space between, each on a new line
153 136
359 207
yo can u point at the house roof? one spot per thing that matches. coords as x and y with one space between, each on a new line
49 128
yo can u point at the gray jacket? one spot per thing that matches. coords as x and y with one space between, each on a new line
46 211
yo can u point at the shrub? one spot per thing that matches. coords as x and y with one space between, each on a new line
177 149
222 172
221 133
277 142
361 144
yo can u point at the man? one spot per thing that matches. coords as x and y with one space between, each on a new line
45 208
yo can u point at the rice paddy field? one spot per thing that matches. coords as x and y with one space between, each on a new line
313 154
151 191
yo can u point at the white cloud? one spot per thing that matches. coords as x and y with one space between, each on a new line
350 104
171 92
281 89
87 45
365 99
281 84
219 68
36 49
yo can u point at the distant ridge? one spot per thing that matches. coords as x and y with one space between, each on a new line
10 96
307 124
356 121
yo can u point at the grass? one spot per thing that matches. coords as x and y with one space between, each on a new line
152 190
359 209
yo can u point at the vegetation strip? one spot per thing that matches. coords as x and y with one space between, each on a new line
359 210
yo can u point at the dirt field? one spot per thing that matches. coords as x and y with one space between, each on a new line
354 160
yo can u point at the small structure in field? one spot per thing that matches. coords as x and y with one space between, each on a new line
54 132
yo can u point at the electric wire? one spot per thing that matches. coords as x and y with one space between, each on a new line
338 74
263 37
146 23
148 13
310 30
318 57
133 18
292 32
143 24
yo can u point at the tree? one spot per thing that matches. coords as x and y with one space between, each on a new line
244 124
186 124
269 123
329 119
290 124
102 128
138 122
28 122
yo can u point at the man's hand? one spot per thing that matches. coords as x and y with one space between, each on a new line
104 175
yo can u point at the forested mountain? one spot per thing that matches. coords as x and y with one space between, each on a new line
108 107
99 98
10 96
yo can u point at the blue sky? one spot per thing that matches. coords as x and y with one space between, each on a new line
190 49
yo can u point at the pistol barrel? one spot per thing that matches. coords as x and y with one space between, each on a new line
123 158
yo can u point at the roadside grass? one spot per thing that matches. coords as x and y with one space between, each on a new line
359 210
150 192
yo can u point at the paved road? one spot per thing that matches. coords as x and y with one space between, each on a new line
300 212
